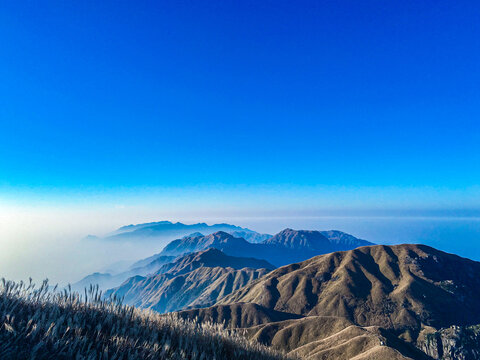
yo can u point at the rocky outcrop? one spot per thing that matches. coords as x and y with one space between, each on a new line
453 343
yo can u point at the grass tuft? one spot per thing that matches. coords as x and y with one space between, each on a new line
45 323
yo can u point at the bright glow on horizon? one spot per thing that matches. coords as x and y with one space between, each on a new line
41 232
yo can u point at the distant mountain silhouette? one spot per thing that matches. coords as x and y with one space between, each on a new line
343 239
194 280
286 247
301 239
218 240
103 280
108 281
169 229
151 263
335 296
250 236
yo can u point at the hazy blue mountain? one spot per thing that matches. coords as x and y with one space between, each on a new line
250 236
324 241
289 246
151 260
116 267
285 247
194 234
169 229
108 280
219 240
103 280
343 239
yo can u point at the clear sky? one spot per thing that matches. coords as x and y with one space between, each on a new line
317 102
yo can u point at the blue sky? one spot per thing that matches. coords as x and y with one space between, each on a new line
309 103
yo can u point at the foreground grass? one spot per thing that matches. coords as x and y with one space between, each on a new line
38 323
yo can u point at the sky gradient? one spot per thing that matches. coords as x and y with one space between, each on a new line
109 97
267 114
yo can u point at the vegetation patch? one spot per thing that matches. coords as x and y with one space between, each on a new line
41 323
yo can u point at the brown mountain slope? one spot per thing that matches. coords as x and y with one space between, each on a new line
194 280
211 258
237 315
402 287
310 338
200 287
328 337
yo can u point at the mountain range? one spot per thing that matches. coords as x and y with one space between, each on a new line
373 302
287 246
150 231
109 280
195 280
317 294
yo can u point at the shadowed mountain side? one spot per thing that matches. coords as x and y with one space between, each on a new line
211 258
455 342
400 287
198 288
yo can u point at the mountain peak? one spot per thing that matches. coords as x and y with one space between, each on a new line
415 285
212 258
136 226
299 239
220 236
197 243
193 235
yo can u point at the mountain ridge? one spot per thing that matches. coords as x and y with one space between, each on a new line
398 287
211 257
407 301
145 231
197 279
287 246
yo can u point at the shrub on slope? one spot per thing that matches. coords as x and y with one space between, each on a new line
42 324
